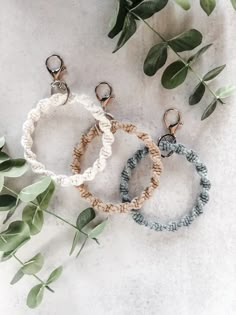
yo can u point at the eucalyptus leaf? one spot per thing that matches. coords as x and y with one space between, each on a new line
3 157
120 19
85 217
75 242
226 91
208 6
34 217
10 214
1 182
233 4
128 31
34 265
197 94
33 213
8 254
31 192
7 202
174 75
18 276
13 168
198 54
17 233
210 109
35 296
213 73
155 59
55 275
146 9
44 198
185 4
186 41
2 142
97 230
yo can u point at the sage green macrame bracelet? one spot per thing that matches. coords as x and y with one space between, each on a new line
202 198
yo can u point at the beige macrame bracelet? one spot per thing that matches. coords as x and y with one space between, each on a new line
137 202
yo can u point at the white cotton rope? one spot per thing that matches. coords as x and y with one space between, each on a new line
44 106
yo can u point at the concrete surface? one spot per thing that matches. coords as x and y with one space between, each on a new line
134 270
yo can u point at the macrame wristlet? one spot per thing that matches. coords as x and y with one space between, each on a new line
202 198
54 101
137 202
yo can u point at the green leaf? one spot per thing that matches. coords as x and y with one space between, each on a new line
31 192
198 54
146 9
174 75
17 277
97 230
233 4
1 182
155 59
3 157
186 41
9 254
2 142
10 213
34 265
185 4
75 242
128 31
44 199
7 202
35 296
120 19
34 217
33 214
17 233
13 168
197 94
210 109
85 217
226 91
54 275
208 6
213 73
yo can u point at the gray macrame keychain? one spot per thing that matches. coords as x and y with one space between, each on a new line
168 146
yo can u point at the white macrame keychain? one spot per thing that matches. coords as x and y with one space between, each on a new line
44 106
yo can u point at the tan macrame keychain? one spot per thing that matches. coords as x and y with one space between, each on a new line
129 128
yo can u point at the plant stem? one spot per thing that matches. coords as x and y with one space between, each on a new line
186 64
35 276
47 211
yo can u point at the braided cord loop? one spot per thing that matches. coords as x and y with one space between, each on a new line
137 202
202 198
44 106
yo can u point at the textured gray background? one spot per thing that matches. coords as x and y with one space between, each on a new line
134 270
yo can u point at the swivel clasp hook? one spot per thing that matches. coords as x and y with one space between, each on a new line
173 126
56 72
56 67
104 100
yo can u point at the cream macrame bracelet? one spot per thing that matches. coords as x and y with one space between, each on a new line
137 202
47 104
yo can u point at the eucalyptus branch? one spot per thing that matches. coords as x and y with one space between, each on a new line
34 275
176 53
45 210
131 11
